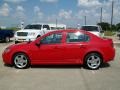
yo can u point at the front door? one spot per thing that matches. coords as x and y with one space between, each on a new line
50 49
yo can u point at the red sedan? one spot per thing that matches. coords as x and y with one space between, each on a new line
61 47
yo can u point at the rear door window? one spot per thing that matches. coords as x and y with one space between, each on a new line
77 37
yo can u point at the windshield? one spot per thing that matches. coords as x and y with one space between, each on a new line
33 27
90 28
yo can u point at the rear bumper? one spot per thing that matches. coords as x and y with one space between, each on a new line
110 56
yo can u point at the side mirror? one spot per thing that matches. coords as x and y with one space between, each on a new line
37 44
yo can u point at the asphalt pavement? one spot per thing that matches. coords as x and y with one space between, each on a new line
60 77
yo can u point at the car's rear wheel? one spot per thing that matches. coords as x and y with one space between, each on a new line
93 61
7 39
16 42
38 36
21 61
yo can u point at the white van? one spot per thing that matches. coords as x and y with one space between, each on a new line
95 29
33 31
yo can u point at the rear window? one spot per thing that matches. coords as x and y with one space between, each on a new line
89 28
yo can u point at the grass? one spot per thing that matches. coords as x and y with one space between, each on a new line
109 33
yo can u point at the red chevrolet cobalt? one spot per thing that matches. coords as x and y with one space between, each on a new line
63 47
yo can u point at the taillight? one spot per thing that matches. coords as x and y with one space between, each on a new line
110 41
112 44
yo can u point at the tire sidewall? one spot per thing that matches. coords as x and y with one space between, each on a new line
28 62
38 36
92 54
7 39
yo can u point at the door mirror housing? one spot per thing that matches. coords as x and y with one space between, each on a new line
37 44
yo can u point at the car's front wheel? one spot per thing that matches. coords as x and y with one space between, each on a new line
21 61
93 61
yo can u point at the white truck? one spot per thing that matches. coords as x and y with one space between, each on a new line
95 29
33 31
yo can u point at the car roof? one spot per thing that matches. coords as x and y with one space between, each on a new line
70 30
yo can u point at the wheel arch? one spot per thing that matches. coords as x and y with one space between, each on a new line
38 36
97 52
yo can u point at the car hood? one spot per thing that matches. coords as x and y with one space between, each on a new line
18 45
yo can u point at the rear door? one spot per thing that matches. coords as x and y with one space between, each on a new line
75 47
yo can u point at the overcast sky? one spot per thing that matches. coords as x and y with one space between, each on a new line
69 12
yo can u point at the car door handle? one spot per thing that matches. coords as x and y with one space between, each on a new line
57 47
82 46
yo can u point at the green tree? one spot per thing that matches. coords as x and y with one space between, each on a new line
113 28
105 26
117 26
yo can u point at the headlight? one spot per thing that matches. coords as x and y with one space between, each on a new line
32 33
7 50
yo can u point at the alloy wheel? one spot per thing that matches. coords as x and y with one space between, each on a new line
20 61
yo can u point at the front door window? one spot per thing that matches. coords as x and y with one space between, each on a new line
52 39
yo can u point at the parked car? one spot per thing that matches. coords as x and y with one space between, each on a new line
5 35
118 34
35 30
95 29
61 47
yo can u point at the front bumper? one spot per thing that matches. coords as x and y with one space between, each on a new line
7 58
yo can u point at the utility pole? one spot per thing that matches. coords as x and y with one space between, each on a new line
56 22
85 20
101 16
112 14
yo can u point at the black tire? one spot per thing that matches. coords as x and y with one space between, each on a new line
21 61
7 39
16 42
93 61
38 36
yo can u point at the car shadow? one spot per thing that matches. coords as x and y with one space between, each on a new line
8 65
105 65
5 42
2 42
